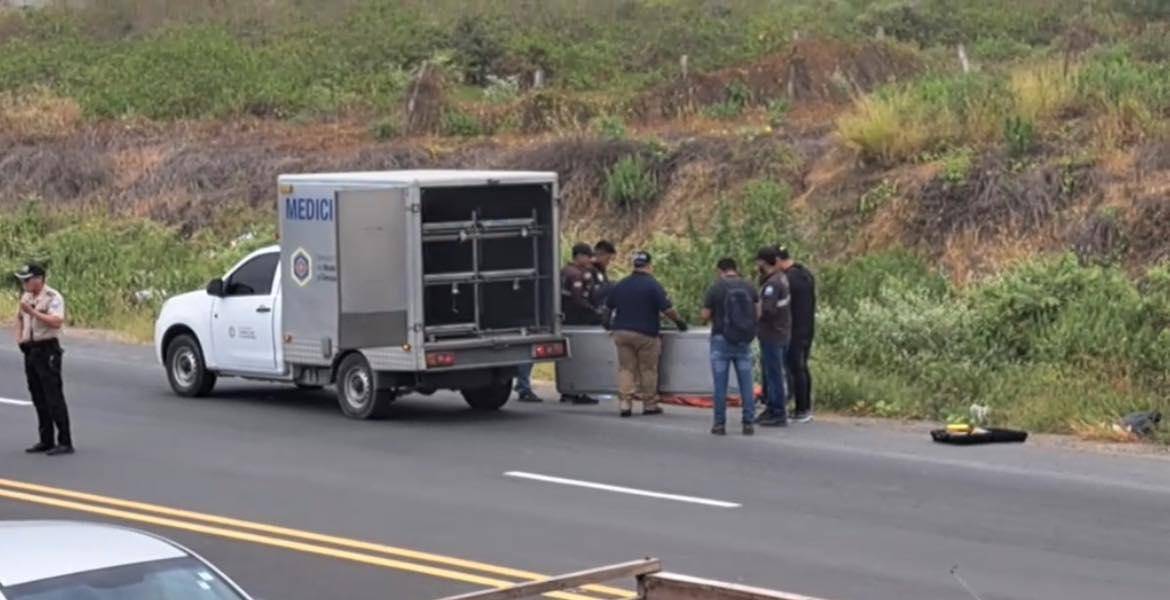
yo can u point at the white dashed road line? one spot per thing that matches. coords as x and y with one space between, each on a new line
620 489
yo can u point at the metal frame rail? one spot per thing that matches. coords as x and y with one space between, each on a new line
653 584
475 231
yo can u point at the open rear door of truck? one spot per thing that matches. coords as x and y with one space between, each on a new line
685 368
374 247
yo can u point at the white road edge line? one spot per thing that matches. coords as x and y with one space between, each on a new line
620 489
15 402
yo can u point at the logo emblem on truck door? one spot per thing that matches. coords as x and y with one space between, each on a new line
302 267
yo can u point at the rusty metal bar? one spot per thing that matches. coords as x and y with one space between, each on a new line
671 586
637 568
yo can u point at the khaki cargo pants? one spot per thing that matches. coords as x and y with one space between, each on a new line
638 356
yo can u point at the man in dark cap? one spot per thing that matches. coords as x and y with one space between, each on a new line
638 302
578 281
38 328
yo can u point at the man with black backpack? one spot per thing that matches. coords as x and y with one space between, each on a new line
732 307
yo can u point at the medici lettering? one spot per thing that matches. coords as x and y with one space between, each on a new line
308 209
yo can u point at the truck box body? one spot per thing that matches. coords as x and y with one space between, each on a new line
402 263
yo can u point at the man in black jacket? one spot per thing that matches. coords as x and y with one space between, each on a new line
802 290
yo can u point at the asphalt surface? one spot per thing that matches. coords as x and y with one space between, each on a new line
835 510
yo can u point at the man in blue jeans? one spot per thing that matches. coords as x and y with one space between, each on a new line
775 332
732 307
524 384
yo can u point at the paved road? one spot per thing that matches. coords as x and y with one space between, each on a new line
828 509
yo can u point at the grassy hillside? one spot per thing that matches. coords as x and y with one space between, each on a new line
982 187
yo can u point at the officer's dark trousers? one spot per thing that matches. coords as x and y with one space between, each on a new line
799 375
42 367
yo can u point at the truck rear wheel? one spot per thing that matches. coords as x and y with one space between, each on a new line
186 370
488 398
357 394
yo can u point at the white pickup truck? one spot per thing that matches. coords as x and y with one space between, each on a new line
383 283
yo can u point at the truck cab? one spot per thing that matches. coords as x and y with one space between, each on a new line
382 284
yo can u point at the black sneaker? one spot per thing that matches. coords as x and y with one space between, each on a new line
719 430
772 421
529 397
584 400
748 429
59 450
39 448
802 417
627 413
652 411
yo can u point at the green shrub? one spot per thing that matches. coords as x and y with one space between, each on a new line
1020 136
778 110
876 197
1130 97
631 183
386 128
610 127
478 47
846 285
757 216
460 124
737 97
957 166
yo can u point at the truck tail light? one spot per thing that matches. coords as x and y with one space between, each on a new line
440 359
551 350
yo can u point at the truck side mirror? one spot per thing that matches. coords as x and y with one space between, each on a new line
215 288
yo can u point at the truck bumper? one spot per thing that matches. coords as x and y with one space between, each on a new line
479 354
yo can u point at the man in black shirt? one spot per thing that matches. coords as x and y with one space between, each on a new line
603 253
732 308
637 303
802 288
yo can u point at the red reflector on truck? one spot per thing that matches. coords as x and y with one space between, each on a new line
440 359
553 350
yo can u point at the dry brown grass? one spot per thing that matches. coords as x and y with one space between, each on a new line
37 114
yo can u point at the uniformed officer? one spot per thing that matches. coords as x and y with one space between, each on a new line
603 254
39 322
578 281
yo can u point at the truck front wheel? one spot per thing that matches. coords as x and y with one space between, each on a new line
186 371
488 398
357 395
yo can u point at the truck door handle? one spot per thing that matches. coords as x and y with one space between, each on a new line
263 309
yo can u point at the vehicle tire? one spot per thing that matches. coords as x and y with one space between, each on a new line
186 370
356 394
488 398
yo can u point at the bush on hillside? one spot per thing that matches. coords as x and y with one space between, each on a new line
631 184
758 215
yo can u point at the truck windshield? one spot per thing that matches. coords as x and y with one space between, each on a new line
174 579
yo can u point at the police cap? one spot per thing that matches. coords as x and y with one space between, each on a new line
29 271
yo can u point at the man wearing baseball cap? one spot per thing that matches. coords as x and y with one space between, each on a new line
39 322
638 302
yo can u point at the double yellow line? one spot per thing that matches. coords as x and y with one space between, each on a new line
380 555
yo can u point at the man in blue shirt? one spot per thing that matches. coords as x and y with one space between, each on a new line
637 303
